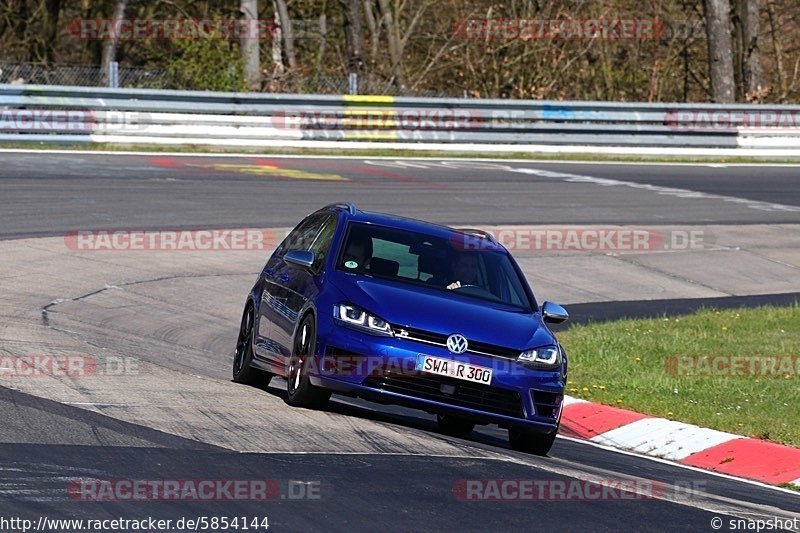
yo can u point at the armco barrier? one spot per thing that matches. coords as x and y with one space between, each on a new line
68 115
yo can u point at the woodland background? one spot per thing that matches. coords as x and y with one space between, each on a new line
714 50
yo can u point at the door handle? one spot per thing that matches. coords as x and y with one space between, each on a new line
284 278
268 272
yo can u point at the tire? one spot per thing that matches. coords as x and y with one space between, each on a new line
527 441
300 391
243 355
454 425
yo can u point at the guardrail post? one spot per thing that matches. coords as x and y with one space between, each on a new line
352 81
113 74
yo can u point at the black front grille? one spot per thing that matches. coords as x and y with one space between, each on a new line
472 395
474 346
546 403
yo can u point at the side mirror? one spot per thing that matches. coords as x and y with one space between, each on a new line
554 313
301 258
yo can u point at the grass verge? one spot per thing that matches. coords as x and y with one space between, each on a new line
385 152
654 366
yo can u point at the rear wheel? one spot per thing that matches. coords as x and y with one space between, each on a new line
300 391
525 440
455 425
243 356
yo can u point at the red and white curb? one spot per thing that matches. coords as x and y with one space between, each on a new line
684 443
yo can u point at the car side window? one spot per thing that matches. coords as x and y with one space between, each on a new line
321 244
304 233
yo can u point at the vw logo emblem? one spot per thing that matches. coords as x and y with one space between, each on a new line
456 343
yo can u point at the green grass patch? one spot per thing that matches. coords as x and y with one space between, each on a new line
632 364
385 152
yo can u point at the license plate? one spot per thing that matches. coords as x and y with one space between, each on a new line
454 369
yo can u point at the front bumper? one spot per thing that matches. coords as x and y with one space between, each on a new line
384 369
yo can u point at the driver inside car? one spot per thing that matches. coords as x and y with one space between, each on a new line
358 252
465 271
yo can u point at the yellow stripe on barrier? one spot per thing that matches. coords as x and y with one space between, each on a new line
368 99
370 136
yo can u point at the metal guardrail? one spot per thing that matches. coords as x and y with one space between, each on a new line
62 114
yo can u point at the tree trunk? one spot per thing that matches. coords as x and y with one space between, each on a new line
277 46
249 44
777 49
720 55
287 32
753 76
323 41
53 10
393 38
109 54
353 35
374 29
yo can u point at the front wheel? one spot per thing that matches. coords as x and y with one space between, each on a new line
243 356
525 440
300 391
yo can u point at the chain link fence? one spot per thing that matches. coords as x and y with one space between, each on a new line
160 78
75 75
300 84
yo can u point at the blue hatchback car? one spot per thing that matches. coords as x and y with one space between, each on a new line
401 311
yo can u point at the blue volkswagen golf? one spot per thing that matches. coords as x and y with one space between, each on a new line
401 311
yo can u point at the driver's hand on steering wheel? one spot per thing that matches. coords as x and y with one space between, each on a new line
454 285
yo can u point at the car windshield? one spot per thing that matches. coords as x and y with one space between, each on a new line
454 265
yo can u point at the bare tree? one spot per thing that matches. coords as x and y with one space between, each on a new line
287 33
752 73
250 45
777 50
110 46
395 44
323 42
53 11
353 35
278 68
720 54
374 28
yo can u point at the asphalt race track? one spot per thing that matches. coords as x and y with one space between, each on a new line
48 195
172 317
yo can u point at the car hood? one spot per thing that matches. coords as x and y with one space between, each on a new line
445 313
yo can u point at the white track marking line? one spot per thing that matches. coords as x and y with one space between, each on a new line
389 158
667 191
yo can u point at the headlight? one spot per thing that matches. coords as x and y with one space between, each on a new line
353 316
549 356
